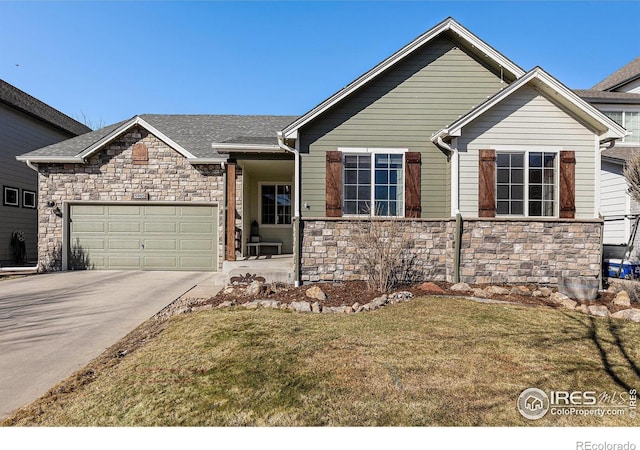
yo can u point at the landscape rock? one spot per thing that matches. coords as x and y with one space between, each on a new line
598 310
252 305
229 290
355 307
300 306
460 287
496 290
315 307
568 303
546 291
477 292
521 290
431 288
254 288
628 314
379 301
557 298
316 293
275 304
227 304
622 299
583 309
538 293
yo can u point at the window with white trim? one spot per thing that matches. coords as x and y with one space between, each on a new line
629 120
275 204
526 184
373 182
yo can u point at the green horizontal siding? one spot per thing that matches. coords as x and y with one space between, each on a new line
402 108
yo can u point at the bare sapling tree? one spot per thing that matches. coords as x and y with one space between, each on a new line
381 251
632 175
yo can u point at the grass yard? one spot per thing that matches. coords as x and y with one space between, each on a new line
428 362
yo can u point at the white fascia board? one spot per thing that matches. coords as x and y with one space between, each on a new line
216 160
248 148
448 24
137 120
50 159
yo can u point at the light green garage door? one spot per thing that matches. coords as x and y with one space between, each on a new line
149 237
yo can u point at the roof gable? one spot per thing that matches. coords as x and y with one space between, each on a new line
620 77
465 38
544 83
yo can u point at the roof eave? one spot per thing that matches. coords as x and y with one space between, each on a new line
51 159
247 148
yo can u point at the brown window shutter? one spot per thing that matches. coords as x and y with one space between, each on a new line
334 184
487 184
567 184
140 154
412 188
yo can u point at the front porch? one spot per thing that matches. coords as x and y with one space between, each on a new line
260 193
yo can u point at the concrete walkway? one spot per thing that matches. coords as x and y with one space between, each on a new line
53 324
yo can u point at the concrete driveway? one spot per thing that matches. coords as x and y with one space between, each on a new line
53 324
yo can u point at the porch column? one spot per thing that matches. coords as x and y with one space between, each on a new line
230 247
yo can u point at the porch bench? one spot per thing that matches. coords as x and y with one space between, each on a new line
258 245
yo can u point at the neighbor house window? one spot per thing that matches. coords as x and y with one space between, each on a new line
28 199
10 196
275 204
526 184
373 182
631 121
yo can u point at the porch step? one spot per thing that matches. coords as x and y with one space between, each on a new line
276 268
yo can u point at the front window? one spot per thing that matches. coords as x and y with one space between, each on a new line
373 183
631 121
276 204
526 184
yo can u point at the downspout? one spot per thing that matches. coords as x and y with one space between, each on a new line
457 244
297 234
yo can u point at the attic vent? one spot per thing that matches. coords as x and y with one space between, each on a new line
140 154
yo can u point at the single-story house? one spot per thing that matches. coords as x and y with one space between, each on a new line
489 171
618 97
26 124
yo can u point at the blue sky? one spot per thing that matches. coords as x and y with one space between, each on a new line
107 61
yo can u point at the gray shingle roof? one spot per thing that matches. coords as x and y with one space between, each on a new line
621 76
24 102
620 153
194 133
595 96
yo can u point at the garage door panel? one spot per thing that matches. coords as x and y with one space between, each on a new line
158 227
160 244
124 244
196 244
87 227
125 262
125 210
124 227
153 237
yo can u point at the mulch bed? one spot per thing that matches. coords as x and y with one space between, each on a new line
350 292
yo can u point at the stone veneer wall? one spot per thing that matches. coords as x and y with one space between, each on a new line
529 251
329 253
492 250
111 176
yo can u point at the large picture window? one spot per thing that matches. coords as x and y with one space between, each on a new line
275 204
373 183
526 184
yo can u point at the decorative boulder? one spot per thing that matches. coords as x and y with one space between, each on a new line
254 288
316 293
628 314
496 290
315 307
598 310
460 287
431 288
300 306
557 298
622 299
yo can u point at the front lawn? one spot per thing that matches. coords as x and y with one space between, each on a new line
428 362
